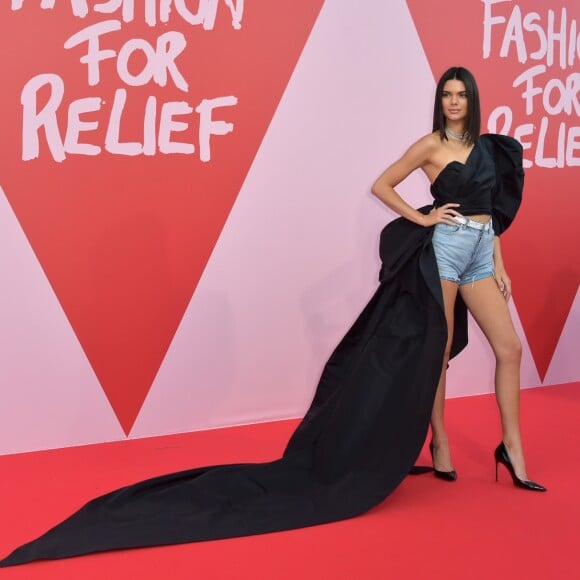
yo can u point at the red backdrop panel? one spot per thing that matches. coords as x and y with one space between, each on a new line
124 239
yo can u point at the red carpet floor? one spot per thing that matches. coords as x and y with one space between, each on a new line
470 529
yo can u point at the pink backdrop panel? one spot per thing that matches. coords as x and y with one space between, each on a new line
296 259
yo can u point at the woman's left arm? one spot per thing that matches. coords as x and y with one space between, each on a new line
503 280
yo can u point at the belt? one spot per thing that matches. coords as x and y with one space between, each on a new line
465 221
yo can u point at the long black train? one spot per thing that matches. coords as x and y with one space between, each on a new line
360 437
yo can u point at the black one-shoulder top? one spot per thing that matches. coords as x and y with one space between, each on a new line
489 182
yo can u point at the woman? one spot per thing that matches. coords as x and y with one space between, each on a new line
381 386
468 257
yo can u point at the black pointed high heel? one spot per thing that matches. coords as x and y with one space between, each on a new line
501 456
445 475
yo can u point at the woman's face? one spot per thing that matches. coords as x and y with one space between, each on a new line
454 100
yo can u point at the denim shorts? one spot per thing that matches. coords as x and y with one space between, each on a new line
464 255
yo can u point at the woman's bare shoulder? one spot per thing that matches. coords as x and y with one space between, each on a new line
425 147
431 142
419 155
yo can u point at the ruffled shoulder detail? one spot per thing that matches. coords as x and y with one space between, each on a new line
506 197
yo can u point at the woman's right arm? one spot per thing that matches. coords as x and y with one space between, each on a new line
384 187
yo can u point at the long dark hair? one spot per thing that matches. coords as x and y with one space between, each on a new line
473 124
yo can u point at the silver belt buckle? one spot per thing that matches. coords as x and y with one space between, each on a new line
461 220
465 221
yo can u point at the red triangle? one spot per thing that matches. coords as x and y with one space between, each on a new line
124 240
541 247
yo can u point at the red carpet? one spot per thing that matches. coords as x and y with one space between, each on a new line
471 529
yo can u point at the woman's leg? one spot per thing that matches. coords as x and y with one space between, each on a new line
441 453
489 309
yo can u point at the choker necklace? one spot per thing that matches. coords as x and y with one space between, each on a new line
457 136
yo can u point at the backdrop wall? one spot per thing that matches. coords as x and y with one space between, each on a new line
186 227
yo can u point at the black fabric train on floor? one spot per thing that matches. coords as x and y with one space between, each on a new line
360 437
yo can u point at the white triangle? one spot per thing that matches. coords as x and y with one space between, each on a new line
49 395
565 364
297 259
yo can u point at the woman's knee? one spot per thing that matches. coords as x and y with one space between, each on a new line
510 351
